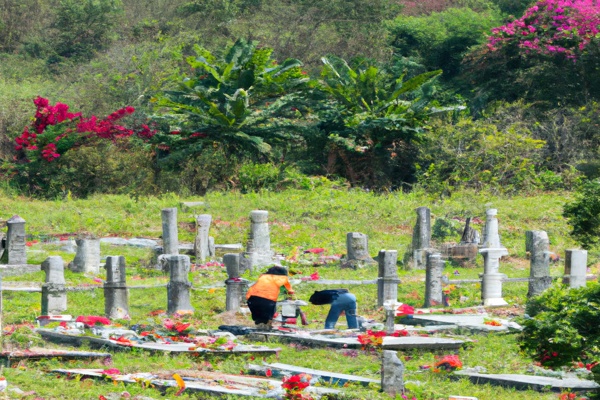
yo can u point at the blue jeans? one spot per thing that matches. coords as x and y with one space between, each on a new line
345 302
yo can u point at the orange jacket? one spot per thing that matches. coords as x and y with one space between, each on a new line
267 286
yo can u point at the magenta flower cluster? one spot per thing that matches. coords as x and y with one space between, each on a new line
551 27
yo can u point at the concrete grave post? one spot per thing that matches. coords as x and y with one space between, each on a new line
201 244
387 282
539 275
236 287
54 292
357 248
178 288
392 374
492 251
575 268
16 253
421 240
211 247
258 249
169 231
433 280
87 256
116 294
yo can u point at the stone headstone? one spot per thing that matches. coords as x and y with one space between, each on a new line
357 247
392 374
387 282
575 268
421 239
492 251
433 280
539 275
15 252
258 249
201 243
178 288
116 294
169 231
232 264
87 257
54 292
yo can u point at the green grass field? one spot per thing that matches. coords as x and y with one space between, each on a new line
298 220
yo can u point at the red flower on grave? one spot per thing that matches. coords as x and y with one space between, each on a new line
91 320
405 309
447 363
314 276
269 373
317 250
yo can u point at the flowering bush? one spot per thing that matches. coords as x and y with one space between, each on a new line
551 27
294 385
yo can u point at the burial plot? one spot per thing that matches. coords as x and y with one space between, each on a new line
332 378
212 383
530 382
9 357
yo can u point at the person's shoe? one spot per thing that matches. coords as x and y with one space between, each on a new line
262 327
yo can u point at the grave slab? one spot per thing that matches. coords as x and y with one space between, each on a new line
333 378
213 383
351 342
475 322
9 357
177 348
530 382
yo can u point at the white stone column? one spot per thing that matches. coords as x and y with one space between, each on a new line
575 268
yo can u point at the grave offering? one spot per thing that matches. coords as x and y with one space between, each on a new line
201 244
87 257
54 292
116 294
9 358
211 383
491 285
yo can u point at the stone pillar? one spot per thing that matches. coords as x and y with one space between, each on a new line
433 280
178 288
258 249
392 374
15 241
54 292
491 284
575 268
169 231
387 282
116 294
211 247
87 256
539 249
201 244
357 247
421 239
390 320
236 287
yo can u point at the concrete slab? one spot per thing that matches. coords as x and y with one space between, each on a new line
530 382
178 348
470 321
333 378
351 342
7 358
16 270
213 383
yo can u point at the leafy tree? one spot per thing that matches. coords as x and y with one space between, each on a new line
550 54
240 101
583 214
371 122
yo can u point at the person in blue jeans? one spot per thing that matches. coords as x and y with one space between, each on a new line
345 302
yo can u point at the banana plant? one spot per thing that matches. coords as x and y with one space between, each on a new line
238 101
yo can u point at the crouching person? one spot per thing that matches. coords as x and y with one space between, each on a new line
262 296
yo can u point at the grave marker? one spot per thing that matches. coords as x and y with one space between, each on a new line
433 279
15 252
201 243
54 293
575 268
87 257
116 294
258 249
169 231
539 248
236 287
491 285
392 374
178 288
387 282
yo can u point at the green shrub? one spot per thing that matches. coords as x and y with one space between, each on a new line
583 214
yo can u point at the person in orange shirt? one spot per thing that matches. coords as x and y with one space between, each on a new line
262 296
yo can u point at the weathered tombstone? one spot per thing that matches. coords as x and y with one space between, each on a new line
87 256
15 252
178 288
390 320
116 294
491 284
387 282
236 287
54 292
211 246
392 374
357 248
539 275
258 249
575 268
201 244
169 231
466 251
421 239
433 280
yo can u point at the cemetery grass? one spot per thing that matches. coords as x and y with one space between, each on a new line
299 220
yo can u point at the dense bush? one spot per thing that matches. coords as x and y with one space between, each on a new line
562 327
583 214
